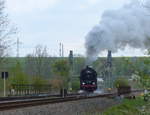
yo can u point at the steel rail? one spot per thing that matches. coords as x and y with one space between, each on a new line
33 96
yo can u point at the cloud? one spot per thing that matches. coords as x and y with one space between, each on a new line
29 5
93 1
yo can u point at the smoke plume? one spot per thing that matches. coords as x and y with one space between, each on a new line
127 26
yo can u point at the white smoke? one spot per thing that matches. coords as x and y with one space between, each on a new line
127 26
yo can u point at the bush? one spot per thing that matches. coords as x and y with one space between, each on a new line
62 70
56 82
76 85
121 82
38 82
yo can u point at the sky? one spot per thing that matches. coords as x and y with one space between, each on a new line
49 22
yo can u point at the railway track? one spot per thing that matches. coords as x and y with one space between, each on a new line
32 97
26 97
28 102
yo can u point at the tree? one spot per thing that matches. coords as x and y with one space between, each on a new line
56 82
79 64
140 68
38 63
38 83
120 82
61 70
5 32
76 85
18 76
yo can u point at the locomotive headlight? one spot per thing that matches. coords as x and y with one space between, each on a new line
93 83
83 83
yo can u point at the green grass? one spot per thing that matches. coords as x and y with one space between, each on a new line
128 107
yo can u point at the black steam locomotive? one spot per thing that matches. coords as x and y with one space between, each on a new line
88 79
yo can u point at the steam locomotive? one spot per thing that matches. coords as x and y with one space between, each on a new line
88 79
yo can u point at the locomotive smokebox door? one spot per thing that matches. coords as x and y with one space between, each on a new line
4 75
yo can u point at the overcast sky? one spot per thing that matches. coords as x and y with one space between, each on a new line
49 22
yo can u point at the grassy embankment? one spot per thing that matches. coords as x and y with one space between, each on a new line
130 107
127 107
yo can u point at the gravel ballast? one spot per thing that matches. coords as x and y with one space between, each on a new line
66 108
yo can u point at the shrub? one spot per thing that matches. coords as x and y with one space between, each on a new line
56 82
18 76
38 82
61 68
121 82
76 85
